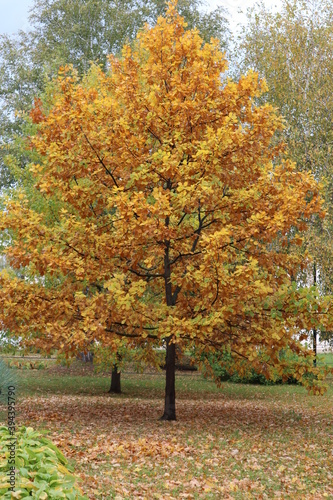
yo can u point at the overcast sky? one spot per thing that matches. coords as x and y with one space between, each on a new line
14 13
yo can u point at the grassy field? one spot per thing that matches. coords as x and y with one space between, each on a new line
234 442
325 359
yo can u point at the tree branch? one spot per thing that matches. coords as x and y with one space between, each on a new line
99 158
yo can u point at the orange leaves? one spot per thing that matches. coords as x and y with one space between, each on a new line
36 113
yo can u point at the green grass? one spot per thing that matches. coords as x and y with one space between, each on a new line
237 441
325 359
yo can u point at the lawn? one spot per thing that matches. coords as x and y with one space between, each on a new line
325 359
232 442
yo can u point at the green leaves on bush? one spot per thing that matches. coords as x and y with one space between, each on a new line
27 365
41 470
223 368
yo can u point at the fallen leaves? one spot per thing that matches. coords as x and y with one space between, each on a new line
238 442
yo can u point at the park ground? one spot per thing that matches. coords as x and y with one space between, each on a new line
234 442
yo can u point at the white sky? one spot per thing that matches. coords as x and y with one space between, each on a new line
234 5
237 8
14 13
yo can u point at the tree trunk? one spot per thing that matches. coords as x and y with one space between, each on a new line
170 359
115 380
314 333
314 346
170 391
86 357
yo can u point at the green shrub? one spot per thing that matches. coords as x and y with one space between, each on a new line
41 470
222 366
22 364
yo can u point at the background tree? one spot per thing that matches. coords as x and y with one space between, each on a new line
167 209
81 31
292 50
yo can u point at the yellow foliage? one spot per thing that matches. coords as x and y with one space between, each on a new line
168 205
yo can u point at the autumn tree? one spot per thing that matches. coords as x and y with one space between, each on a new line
76 32
292 50
171 218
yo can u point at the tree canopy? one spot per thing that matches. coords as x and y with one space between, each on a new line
78 32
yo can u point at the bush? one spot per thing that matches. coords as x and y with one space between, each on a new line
26 365
42 471
222 366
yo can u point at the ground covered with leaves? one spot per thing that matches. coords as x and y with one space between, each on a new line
234 442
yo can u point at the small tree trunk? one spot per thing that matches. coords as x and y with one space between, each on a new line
314 346
115 380
170 391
